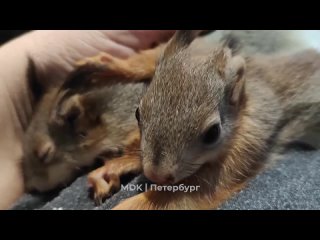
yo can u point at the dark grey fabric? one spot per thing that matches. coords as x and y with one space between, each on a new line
292 183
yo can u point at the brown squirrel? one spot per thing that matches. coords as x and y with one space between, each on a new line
215 121
209 122
55 149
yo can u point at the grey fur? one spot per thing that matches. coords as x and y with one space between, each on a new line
259 43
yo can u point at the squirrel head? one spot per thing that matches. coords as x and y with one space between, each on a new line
190 109
60 141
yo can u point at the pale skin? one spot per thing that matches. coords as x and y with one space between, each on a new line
55 54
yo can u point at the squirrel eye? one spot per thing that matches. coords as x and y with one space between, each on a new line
138 114
212 134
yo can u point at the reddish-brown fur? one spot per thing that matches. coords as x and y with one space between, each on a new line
263 95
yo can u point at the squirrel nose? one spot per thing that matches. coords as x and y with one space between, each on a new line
155 177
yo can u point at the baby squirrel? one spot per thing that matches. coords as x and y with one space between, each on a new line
96 123
233 118
214 121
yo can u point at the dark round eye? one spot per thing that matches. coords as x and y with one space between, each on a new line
212 134
138 115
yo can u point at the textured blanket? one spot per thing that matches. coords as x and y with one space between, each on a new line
292 183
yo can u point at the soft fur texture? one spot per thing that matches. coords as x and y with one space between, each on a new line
257 119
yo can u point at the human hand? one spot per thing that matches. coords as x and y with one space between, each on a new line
55 52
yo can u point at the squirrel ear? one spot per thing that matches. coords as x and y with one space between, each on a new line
235 72
185 37
36 86
181 39
69 110
45 151
233 43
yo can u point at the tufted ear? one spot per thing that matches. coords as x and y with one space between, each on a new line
185 37
181 39
235 75
233 43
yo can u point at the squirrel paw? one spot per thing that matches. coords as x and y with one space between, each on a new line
101 58
103 61
106 180
104 185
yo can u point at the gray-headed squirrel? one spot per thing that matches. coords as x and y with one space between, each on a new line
213 119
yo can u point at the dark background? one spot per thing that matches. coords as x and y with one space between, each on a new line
6 35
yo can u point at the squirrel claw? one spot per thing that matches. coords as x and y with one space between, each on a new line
104 185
